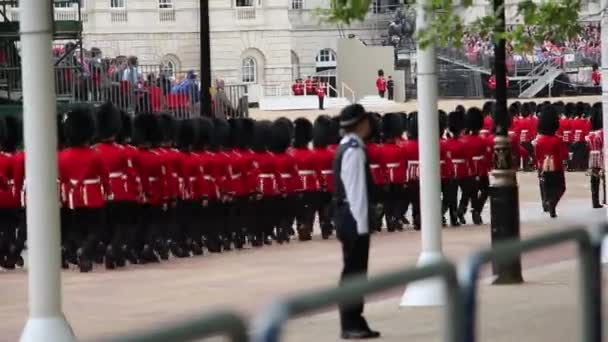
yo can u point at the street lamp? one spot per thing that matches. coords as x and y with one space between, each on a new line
504 192
205 108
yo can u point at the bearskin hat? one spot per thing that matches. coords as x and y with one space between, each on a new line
186 134
525 110
147 130
460 108
548 122
474 120
392 127
204 132
488 108
126 129
456 122
514 110
290 127
597 121
78 127
587 110
281 136
412 126
335 130
533 107
570 110
168 126
220 134
3 132
109 121
262 135
14 133
322 134
443 122
404 119
375 125
303 132
580 109
242 133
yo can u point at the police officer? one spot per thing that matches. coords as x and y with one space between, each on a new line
352 177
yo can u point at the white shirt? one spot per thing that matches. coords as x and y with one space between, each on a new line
352 174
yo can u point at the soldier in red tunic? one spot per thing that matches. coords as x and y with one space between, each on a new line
461 163
580 128
8 214
292 183
115 161
565 130
309 178
412 168
595 143
149 166
375 153
480 154
527 133
394 163
446 170
84 177
550 153
324 142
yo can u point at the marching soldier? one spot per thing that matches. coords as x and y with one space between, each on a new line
84 177
394 164
580 129
14 139
308 174
550 153
412 164
448 186
375 152
459 159
323 142
595 141
8 217
352 182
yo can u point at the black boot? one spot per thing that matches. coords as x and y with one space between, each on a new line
64 259
595 192
227 243
326 231
162 249
477 218
147 255
177 250
84 262
130 254
109 258
461 218
100 252
239 240
304 233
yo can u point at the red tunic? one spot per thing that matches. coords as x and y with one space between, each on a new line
459 157
308 168
565 130
287 167
150 168
479 152
580 128
18 179
82 173
376 164
134 186
115 161
393 160
325 160
445 164
206 186
550 153
412 164
527 129
6 184
269 181
189 171
595 142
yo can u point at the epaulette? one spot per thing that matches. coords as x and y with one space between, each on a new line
353 143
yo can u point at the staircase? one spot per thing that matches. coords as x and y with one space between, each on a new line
375 101
539 79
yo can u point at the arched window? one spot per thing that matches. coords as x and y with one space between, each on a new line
249 70
168 68
326 58
295 66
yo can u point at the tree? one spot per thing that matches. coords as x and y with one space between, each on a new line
553 19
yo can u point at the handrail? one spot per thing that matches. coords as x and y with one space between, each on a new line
268 327
352 92
507 251
220 323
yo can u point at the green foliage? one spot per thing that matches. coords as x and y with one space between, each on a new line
548 19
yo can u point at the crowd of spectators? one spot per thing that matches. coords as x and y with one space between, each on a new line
585 48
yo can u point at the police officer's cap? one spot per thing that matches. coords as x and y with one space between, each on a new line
352 115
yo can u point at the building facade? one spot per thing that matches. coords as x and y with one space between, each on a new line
262 43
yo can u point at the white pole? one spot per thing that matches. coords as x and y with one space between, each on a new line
46 321
429 292
604 54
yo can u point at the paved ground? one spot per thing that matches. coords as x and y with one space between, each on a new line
101 303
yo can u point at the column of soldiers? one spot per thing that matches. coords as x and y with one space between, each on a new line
137 190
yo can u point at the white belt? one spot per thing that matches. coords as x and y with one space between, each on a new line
327 172
236 175
286 175
590 152
174 174
152 179
478 158
374 166
90 181
116 174
306 173
393 165
209 178
441 162
458 161
266 175
413 162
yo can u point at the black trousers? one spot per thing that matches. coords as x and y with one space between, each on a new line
553 186
121 223
325 211
528 163
355 255
449 189
595 181
479 192
321 100
466 190
413 196
84 229
150 230
580 156
381 93
390 93
395 194
9 225
307 204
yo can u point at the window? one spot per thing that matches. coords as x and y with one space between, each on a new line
63 4
168 68
118 4
244 3
297 4
165 4
325 56
248 70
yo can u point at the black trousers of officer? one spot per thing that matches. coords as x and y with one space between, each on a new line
449 190
355 255
84 230
325 211
479 192
553 186
596 180
466 189
10 247
121 224
392 203
305 215
580 156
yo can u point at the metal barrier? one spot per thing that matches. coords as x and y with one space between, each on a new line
221 323
268 327
588 275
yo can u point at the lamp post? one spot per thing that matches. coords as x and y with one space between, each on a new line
46 321
205 42
604 47
504 192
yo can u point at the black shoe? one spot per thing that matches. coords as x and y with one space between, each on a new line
162 249
477 218
461 219
109 258
359 334
444 222
239 241
552 212
147 255
197 249
100 252
177 250
84 263
131 255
